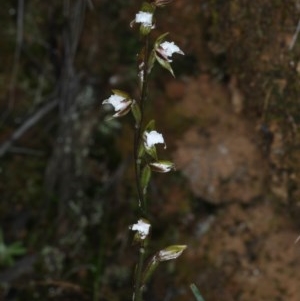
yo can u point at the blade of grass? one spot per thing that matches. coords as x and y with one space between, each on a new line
196 292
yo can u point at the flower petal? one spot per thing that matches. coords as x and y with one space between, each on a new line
145 18
169 48
142 227
117 101
152 138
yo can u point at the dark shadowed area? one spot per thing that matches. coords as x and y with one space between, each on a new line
231 122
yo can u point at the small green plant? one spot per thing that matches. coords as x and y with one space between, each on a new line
146 138
7 253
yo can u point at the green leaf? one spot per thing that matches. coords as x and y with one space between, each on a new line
160 39
149 270
146 176
148 7
151 61
136 112
150 126
165 64
196 292
141 150
152 152
121 93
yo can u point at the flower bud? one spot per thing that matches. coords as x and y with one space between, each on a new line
162 166
171 252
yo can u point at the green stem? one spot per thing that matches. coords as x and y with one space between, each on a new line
138 290
138 128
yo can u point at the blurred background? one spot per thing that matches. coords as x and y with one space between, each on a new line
230 119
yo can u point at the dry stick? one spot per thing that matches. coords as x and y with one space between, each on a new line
28 124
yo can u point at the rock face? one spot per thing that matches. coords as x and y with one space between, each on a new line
219 154
251 255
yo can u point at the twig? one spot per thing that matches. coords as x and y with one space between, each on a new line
29 123
295 36
26 151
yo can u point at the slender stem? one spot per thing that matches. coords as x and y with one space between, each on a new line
138 127
145 76
138 290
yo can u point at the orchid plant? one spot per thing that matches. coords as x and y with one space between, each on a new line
146 138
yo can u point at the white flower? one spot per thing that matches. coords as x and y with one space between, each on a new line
120 104
144 18
166 49
152 138
142 227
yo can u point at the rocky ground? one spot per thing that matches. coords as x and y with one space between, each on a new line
245 248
